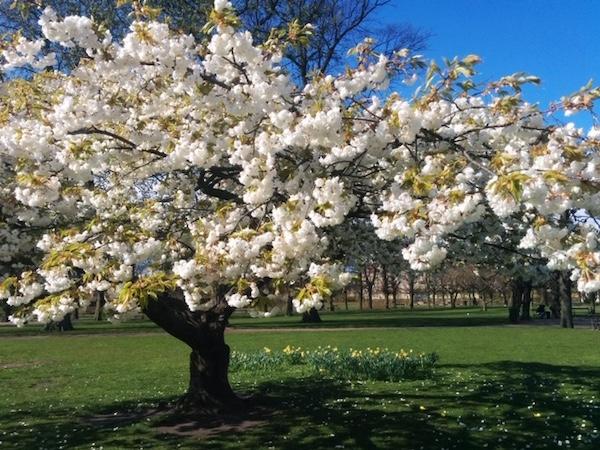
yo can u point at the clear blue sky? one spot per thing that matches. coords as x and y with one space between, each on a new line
557 40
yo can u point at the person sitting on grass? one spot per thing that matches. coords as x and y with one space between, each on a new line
541 311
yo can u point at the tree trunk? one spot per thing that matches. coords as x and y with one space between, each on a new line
311 316
555 296
411 290
566 304
453 297
545 296
370 294
515 300
346 298
361 295
526 303
209 391
386 291
6 310
289 309
99 304
504 297
65 324
428 291
370 284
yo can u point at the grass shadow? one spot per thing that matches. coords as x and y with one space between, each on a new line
500 405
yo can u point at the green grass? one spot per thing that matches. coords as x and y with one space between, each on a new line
394 318
504 387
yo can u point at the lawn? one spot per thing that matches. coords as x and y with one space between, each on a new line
495 387
393 318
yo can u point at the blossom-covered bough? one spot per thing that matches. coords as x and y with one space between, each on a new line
186 179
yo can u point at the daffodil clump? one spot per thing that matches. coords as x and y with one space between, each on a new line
379 364
372 364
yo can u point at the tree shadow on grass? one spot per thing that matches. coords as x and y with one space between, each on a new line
500 405
378 320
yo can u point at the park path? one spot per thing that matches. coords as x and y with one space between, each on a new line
581 323
249 330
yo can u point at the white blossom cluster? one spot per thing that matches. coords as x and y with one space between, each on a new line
202 163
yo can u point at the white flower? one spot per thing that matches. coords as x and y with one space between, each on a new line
237 300
220 5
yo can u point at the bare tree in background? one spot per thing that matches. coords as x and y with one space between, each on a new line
338 26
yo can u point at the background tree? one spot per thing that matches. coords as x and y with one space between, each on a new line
338 26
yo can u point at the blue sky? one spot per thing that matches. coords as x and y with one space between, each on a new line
559 41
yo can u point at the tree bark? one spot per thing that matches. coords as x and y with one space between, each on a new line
209 391
555 296
6 310
370 284
411 290
395 296
311 316
370 295
361 295
99 304
64 325
453 297
566 304
386 291
526 302
515 300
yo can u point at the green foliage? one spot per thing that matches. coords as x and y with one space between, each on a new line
224 18
146 288
9 284
510 185
66 255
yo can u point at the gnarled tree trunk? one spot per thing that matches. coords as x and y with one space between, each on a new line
209 390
